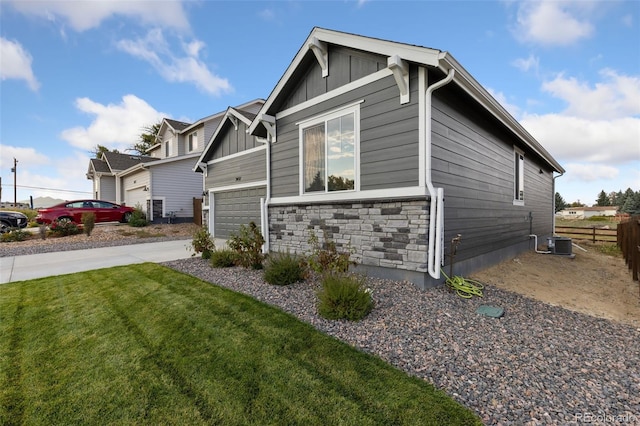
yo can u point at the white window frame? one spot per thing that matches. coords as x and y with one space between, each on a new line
323 118
190 139
518 177
168 148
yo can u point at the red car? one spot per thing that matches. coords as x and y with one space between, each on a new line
104 211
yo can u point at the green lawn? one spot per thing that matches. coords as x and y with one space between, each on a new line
144 344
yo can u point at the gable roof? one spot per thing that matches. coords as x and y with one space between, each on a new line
176 125
319 38
231 114
99 166
117 161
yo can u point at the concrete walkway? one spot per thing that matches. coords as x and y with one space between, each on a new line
19 268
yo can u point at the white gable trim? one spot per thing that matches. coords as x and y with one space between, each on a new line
386 72
238 154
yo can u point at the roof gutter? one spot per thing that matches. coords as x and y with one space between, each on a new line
436 195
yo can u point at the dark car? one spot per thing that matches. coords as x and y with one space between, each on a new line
73 210
10 220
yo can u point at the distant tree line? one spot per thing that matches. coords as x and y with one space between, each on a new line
626 202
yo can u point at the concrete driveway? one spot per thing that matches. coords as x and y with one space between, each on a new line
20 268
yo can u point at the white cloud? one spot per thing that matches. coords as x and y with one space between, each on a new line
15 63
85 15
530 63
627 20
27 157
590 172
616 96
513 109
583 140
114 126
551 22
155 50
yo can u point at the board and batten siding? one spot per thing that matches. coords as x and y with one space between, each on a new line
178 184
388 138
231 141
473 160
345 65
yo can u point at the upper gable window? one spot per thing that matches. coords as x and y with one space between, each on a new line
328 148
518 181
192 142
167 148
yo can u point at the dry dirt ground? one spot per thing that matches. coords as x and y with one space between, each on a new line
593 283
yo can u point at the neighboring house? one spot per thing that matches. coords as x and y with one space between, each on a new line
103 170
587 212
392 150
234 172
167 186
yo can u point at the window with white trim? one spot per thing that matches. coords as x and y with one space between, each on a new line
167 148
518 174
329 152
192 142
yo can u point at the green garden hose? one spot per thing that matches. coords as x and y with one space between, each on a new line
464 288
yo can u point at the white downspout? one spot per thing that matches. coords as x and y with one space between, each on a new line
436 212
267 200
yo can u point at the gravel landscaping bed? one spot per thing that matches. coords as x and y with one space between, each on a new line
538 364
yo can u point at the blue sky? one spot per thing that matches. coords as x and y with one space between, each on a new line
75 74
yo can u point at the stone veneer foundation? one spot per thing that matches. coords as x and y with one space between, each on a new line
387 238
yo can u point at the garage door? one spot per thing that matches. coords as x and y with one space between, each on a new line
235 208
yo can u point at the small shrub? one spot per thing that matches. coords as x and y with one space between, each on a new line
284 269
138 217
15 235
42 230
223 258
344 297
64 227
248 246
325 258
88 222
203 243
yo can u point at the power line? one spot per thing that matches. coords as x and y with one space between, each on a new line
50 189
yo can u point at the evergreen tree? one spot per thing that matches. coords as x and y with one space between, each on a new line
603 199
619 199
147 139
632 204
561 204
622 199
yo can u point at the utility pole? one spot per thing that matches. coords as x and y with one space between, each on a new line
15 188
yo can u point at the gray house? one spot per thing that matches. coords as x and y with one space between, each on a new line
234 167
394 149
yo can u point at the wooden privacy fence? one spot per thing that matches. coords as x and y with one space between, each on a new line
629 243
197 211
594 234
